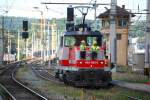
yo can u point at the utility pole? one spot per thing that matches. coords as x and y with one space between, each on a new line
113 46
25 41
95 22
9 45
147 37
42 36
44 40
2 42
49 46
33 35
18 52
95 6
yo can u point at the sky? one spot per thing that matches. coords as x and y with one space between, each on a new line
25 8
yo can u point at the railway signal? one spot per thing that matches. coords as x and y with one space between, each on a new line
25 33
25 25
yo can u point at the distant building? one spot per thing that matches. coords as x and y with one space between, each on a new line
136 53
136 45
122 30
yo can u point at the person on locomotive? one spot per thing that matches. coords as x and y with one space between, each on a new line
95 48
83 50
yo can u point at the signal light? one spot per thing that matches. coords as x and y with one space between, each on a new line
25 35
25 25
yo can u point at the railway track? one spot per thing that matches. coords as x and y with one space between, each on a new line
42 72
15 89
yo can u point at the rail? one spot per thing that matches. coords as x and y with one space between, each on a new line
26 86
46 76
7 92
19 83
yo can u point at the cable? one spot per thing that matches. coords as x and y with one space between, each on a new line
8 7
53 10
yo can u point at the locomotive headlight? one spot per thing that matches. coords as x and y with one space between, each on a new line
106 68
101 62
80 62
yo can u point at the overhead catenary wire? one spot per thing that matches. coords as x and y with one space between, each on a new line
8 6
74 3
11 5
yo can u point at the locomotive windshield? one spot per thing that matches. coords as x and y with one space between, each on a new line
76 40
69 41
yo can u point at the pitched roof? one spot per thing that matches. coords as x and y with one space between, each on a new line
120 12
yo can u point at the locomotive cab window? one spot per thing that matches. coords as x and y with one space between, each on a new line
69 41
78 40
90 40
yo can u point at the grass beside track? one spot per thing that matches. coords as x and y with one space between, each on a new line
130 77
71 93
124 73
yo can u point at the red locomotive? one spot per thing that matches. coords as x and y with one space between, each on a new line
75 70
82 72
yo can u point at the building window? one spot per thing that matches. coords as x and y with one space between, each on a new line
122 22
107 23
103 23
118 36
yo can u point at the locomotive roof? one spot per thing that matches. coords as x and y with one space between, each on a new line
85 33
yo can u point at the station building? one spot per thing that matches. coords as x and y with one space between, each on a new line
123 21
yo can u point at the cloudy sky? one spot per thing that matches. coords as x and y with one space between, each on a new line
25 7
